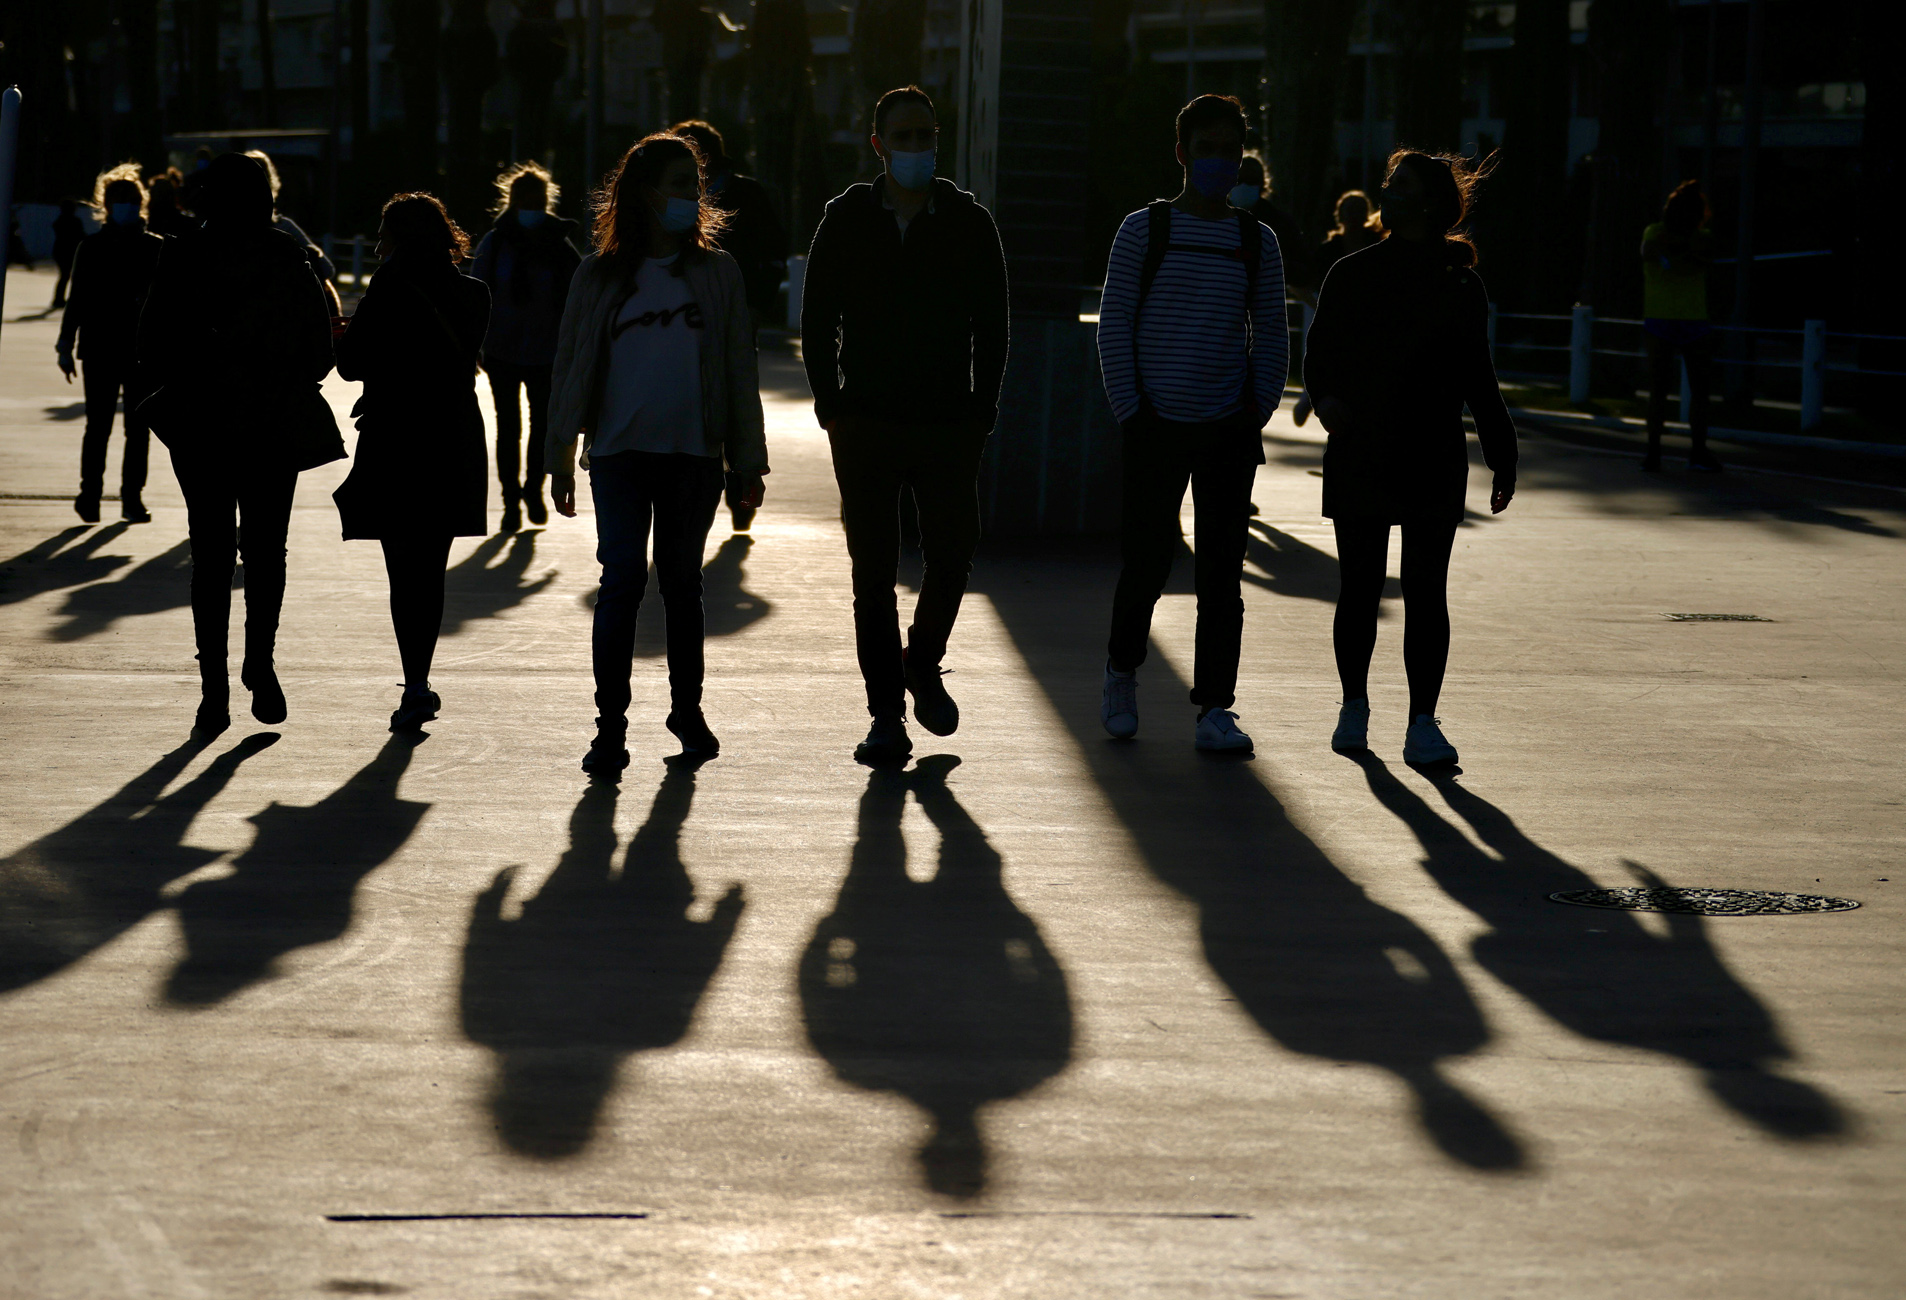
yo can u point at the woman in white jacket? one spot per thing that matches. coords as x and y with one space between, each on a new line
655 372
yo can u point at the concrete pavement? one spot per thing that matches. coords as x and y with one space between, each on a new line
1064 1018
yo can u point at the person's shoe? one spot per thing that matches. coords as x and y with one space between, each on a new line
534 506
1301 411
1218 733
512 518
887 741
1424 743
1651 464
933 708
419 705
607 755
691 728
1118 706
86 505
1353 727
1704 460
744 517
212 719
133 510
267 697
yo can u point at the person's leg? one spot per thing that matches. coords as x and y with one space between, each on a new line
416 566
1363 552
59 285
869 479
536 388
100 381
211 512
621 487
944 475
1700 362
685 502
264 512
506 382
132 470
1425 573
1221 484
1663 379
1155 477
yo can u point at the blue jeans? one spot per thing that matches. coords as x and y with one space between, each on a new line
678 495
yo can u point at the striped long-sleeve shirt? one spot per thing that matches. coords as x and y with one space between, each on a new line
1196 348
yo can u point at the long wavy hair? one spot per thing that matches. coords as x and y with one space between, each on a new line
622 219
1449 182
420 226
526 176
126 173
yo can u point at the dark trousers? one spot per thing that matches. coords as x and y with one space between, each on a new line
234 509
1219 461
415 566
1664 379
1363 552
59 286
677 495
104 381
506 380
874 460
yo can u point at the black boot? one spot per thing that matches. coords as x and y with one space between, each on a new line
215 701
688 725
132 509
533 504
267 697
608 754
86 504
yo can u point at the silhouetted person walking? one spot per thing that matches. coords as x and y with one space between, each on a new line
1676 253
1399 346
903 329
1355 230
528 261
321 264
113 272
1194 351
1252 194
754 236
164 216
655 370
418 479
68 230
235 338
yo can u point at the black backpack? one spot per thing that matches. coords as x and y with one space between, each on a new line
1158 243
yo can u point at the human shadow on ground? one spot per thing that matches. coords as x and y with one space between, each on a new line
79 887
943 991
151 587
600 964
47 567
1599 973
295 886
70 411
493 577
1290 566
727 604
1319 965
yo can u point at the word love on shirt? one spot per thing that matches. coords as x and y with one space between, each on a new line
689 313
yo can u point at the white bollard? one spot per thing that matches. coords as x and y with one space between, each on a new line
797 276
1813 373
1581 343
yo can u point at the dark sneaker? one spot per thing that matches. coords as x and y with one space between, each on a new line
133 511
419 705
534 506
691 728
86 505
887 741
267 697
933 708
607 754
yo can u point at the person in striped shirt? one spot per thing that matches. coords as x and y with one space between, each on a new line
1193 348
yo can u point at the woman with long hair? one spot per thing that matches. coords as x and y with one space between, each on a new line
234 339
527 260
1399 346
655 371
418 478
1676 252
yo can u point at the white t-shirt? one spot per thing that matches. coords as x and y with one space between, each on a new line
652 393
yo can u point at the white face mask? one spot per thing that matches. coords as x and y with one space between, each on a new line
1244 196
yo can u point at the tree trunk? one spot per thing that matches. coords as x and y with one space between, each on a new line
267 65
1626 43
416 38
1519 212
1428 38
470 69
360 87
139 20
888 35
536 54
1306 53
687 42
782 98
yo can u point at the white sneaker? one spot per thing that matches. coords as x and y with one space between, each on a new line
1353 727
1425 742
1119 707
1218 733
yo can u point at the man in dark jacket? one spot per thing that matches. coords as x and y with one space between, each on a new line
903 327
68 230
112 273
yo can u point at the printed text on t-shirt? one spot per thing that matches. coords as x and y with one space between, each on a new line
690 314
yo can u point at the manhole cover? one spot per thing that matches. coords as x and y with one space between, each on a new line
1705 902
1716 618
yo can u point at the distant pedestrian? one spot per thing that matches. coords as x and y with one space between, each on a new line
527 259
1356 229
655 371
235 338
321 264
68 230
754 236
1193 347
1676 253
418 479
112 274
1399 346
1254 194
903 329
18 254
163 214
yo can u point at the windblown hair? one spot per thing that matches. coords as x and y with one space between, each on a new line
622 214
126 173
419 225
525 176
1686 210
1449 192
263 159
1369 222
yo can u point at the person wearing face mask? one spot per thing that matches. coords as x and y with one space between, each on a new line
527 259
112 274
1399 346
1252 194
656 373
903 330
1193 347
1355 229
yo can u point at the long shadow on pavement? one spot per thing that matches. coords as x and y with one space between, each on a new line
599 964
74 890
490 580
1601 974
1320 966
941 991
296 884
151 587
46 567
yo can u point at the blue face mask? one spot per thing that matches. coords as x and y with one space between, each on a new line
681 216
528 217
1213 177
1244 196
123 213
911 171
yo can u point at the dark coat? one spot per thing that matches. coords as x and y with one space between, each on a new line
1401 336
909 330
421 468
112 274
1298 271
528 270
754 236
